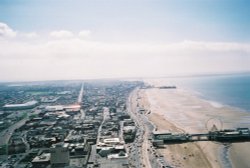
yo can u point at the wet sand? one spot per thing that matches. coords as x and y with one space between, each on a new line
181 111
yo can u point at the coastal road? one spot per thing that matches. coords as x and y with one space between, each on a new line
147 155
134 156
141 143
146 146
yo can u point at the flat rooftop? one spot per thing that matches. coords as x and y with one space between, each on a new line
45 157
30 103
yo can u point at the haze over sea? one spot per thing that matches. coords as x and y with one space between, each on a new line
232 90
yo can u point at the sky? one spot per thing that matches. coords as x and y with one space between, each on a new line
86 39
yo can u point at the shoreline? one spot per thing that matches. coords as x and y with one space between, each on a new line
216 104
179 109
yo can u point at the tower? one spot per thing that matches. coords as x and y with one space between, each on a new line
59 155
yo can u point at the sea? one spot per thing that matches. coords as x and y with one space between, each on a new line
230 90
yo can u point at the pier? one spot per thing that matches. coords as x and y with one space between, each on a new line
198 137
232 135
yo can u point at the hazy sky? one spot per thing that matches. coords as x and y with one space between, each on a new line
77 39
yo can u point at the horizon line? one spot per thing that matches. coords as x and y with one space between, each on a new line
129 78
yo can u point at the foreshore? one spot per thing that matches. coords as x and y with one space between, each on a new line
181 111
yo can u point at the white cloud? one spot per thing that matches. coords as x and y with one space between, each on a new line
30 35
84 33
216 46
6 31
71 57
62 34
76 58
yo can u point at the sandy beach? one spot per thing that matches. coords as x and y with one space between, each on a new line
178 110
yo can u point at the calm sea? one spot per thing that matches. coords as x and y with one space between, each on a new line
232 90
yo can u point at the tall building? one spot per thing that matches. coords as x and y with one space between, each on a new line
59 155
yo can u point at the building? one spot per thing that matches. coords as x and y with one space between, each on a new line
54 108
27 105
112 141
41 161
60 155
74 108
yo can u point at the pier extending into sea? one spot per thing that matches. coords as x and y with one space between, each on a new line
227 135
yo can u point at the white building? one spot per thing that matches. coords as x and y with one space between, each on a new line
112 141
54 108
27 105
